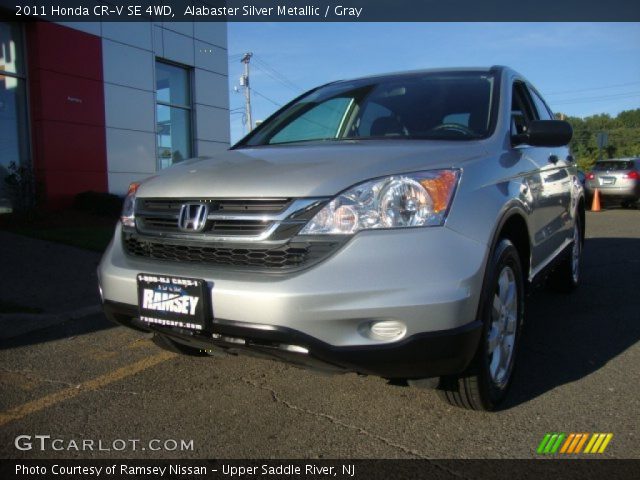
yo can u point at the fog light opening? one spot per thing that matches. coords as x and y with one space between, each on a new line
237 341
388 330
293 348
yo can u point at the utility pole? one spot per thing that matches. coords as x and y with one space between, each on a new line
244 81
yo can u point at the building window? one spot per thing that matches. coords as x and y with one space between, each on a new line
173 113
14 140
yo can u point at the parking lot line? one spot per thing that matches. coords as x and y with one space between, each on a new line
34 406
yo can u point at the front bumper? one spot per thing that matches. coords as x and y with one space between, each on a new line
419 356
427 278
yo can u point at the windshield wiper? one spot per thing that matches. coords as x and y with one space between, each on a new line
307 140
368 138
418 137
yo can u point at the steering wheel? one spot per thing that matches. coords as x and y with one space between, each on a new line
457 127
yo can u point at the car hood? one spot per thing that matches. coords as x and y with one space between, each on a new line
307 170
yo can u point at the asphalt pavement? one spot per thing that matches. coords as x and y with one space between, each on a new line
82 378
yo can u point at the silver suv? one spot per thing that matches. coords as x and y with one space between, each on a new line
388 225
616 179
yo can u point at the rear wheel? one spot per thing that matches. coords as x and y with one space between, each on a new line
566 277
485 383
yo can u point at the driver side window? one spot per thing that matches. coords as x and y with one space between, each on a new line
521 111
373 112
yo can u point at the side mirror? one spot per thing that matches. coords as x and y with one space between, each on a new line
546 133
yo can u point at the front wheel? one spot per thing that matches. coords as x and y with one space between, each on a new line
485 384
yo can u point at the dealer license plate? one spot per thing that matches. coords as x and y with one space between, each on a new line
173 301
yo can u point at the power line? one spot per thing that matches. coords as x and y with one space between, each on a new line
266 98
593 88
597 98
282 78
277 79
277 73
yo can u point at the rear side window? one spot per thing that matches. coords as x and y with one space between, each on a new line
614 165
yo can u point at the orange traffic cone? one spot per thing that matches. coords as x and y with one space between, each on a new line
595 205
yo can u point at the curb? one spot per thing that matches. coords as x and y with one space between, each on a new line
16 324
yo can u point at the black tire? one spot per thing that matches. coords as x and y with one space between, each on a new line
476 388
564 279
167 344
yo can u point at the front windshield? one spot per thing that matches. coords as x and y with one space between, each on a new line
439 106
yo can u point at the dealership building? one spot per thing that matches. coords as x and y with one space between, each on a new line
93 106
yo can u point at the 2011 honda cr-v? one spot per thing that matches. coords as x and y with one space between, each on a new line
387 225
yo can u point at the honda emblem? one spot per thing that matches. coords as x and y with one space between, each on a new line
193 217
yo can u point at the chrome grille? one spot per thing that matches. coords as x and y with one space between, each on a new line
268 205
253 233
227 217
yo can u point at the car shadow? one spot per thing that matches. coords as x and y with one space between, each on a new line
63 330
568 337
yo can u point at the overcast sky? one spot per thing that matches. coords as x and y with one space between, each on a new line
581 68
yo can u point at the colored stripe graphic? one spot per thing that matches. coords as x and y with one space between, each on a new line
598 442
543 443
583 439
605 443
573 443
568 442
552 440
561 437
592 441
550 443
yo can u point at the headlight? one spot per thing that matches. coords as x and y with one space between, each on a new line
128 217
408 200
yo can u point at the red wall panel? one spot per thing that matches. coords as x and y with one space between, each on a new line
62 144
61 49
67 112
63 186
66 98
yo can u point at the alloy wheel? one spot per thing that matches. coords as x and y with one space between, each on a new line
502 332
